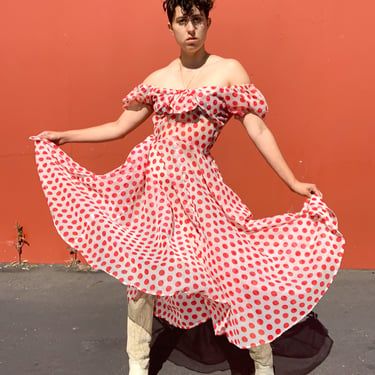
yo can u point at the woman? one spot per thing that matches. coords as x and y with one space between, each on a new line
167 226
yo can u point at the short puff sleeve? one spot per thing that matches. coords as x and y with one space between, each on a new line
140 94
243 99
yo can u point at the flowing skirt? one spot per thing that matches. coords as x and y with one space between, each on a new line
169 226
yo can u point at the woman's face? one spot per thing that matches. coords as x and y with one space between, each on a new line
189 30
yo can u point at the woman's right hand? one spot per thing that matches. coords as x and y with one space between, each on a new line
53 136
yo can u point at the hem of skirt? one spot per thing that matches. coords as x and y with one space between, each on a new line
204 293
230 339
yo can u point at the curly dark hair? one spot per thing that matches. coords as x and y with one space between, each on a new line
169 6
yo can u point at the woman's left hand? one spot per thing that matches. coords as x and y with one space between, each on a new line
306 189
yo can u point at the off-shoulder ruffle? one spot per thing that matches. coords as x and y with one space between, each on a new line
237 100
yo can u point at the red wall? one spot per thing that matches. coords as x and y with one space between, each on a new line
67 64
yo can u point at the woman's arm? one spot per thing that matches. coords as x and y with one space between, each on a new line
132 117
265 141
266 144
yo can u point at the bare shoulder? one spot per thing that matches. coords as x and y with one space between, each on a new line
161 76
154 77
231 69
237 74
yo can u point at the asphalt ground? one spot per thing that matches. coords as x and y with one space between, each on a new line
56 320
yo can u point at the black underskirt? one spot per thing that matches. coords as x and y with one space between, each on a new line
297 352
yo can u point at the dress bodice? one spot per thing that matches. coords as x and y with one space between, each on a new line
197 116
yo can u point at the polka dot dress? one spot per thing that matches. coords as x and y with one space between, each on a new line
165 223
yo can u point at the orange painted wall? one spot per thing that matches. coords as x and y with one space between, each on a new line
67 64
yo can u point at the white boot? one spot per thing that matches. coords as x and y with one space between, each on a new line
136 368
264 370
140 316
138 348
263 359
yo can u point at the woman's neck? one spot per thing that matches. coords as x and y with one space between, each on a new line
194 60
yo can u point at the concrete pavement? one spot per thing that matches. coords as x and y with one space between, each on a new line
56 321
